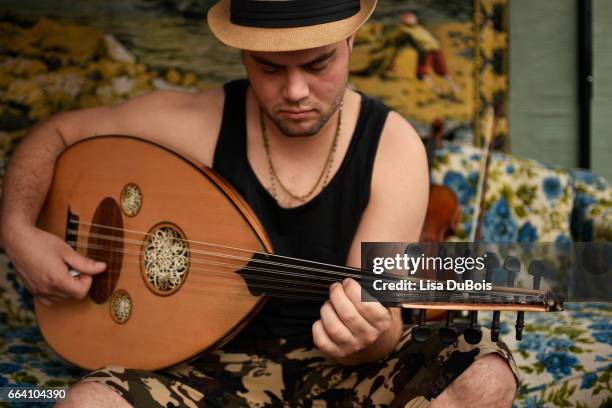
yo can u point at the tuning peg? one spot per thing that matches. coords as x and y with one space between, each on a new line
473 334
520 324
413 251
537 269
421 332
512 266
448 334
495 326
440 272
491 263
467 275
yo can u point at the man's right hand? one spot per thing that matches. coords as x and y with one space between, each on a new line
43 261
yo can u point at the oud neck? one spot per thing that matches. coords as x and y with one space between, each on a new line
292 278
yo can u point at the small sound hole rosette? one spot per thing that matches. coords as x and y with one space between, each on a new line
131 199
121 306
165 259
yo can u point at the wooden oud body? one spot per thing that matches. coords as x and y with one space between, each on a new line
213 301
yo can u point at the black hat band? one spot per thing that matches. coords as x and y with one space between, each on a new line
291 13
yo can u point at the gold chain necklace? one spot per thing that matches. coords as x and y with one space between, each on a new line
325 173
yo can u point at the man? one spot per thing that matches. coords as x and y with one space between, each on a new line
325 168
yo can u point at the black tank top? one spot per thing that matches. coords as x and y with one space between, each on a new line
320 230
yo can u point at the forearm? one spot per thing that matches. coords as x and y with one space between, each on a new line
28 177
385 344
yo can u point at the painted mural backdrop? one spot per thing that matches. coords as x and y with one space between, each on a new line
438 61
419 56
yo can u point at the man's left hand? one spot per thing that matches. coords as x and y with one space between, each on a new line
347 325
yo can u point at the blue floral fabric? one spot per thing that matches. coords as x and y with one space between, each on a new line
525 201
592 212
565 359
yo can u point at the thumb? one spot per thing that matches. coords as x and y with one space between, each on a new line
83 264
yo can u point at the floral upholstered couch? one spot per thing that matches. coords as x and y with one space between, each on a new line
565 359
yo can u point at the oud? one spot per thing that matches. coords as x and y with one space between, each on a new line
189 264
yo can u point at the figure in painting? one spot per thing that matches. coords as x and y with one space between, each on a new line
430 53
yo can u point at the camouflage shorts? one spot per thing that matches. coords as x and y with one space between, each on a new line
278 375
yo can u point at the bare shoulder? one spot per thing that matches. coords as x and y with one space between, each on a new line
185 122
400 149
398 133
190 105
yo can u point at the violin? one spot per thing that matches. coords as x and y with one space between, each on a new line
443 210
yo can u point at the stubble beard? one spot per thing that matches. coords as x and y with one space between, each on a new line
316 127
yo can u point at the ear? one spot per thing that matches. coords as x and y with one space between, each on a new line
350 41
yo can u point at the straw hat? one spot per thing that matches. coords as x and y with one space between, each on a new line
286 25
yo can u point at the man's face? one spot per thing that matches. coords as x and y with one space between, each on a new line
299 90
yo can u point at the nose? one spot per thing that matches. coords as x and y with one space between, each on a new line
296 86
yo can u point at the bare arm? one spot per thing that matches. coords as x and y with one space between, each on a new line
167 118
355 332
173 119
28 176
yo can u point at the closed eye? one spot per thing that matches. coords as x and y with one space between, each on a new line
270 70
320 66
316 65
